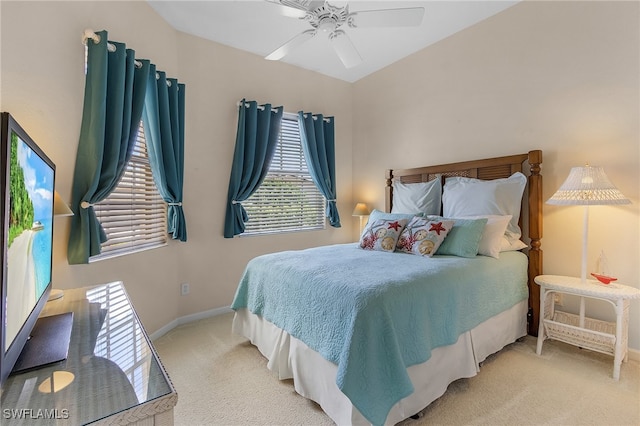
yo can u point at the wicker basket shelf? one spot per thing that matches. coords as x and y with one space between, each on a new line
596 335
611 338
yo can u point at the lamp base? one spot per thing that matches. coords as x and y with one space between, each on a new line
55 294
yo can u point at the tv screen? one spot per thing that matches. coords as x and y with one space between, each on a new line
27 189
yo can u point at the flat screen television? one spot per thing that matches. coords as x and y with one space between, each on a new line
27 195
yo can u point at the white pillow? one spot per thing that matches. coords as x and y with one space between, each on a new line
422 197
472 197
512 245
492 235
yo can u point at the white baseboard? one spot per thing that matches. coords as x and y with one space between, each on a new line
189 318
634 355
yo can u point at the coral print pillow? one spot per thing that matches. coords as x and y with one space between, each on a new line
382 234
423 236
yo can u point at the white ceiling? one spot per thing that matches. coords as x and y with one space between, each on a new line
259 27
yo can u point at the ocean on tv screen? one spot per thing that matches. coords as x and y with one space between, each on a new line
30 234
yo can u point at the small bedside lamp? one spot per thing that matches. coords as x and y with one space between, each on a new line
587 186
60 208
361 210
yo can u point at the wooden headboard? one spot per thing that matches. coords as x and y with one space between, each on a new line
496 168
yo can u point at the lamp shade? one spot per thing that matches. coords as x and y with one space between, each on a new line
361 209
587 186
60 208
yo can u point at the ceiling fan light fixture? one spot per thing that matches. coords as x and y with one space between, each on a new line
327 25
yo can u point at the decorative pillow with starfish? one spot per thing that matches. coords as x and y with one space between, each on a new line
382 235
423 236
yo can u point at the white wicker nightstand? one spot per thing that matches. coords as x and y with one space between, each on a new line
610 338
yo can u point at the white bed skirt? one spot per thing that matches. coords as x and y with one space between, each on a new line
314 377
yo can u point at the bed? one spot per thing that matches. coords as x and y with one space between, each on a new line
375 331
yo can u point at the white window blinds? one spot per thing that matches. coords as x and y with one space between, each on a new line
134 215
287 200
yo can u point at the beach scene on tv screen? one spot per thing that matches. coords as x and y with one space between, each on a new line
30 234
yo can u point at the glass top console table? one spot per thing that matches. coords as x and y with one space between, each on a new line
112 374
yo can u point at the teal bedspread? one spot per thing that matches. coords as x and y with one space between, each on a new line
374 314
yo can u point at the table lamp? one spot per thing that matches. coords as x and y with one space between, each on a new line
361 210
587 186
60 207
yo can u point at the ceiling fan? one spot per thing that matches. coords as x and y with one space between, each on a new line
326 18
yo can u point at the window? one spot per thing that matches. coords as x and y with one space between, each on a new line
134 215
287 200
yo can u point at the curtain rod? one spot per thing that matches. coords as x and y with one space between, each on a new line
315 117
90 34
260 107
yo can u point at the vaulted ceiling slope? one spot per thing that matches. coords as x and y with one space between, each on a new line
260 27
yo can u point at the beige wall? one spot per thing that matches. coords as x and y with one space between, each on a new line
558 76
42 85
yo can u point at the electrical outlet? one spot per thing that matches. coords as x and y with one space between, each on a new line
184 288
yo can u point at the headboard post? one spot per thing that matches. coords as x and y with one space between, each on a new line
535 234
387 190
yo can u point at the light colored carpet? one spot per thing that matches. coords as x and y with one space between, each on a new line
221 379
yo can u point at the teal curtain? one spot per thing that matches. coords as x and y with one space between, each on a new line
318 145
113 101
256 140
164 126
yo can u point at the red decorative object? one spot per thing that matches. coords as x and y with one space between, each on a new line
603 278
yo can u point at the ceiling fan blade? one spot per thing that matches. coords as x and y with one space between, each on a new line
407 17
288 3
289 46
314 4
289 9
297 8
345 49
